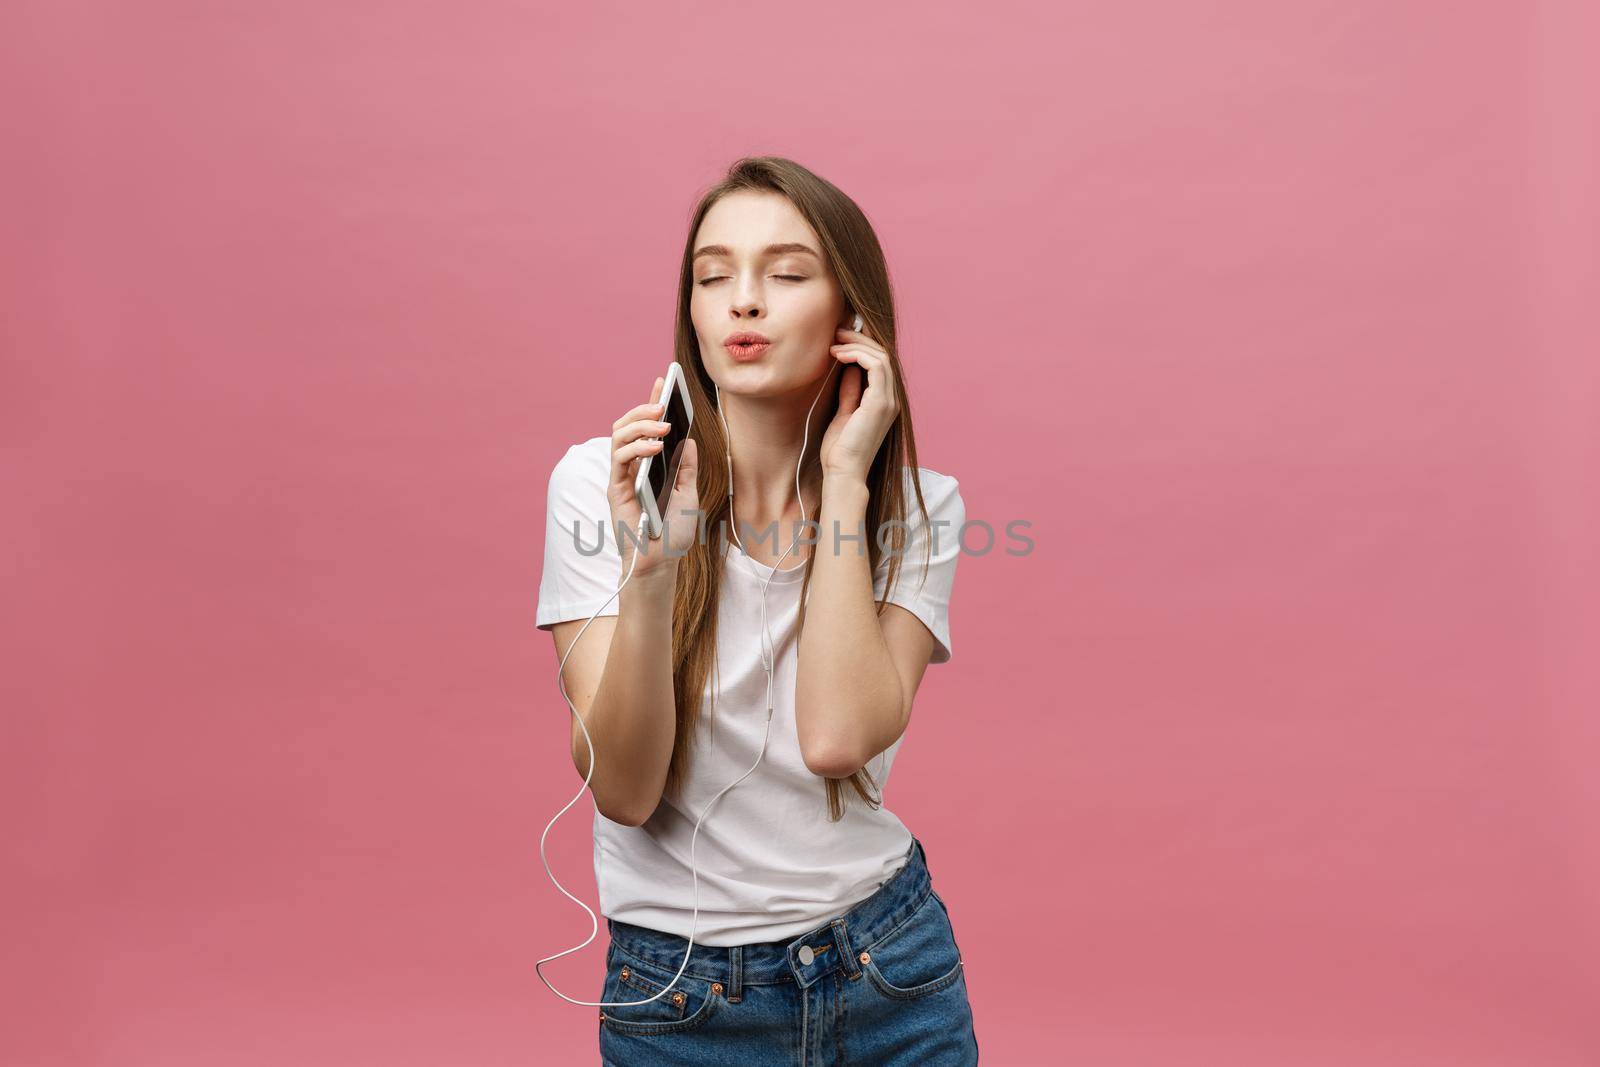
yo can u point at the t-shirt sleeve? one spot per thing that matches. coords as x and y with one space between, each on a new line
928 598
582 567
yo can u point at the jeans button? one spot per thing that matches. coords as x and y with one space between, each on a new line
806 955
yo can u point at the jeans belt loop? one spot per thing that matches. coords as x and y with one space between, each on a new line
735 974
847 955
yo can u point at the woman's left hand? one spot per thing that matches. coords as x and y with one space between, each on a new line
858 427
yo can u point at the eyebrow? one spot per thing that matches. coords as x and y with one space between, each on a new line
770 250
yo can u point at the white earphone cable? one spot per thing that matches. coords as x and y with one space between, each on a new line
767 665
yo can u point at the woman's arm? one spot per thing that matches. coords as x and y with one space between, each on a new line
858 672
620 680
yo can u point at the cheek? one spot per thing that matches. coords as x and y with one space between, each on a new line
703 321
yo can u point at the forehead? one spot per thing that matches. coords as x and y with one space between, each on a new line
747 221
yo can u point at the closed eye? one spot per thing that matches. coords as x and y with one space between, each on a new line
783 277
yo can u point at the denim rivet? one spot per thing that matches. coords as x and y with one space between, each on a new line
866 957
716 987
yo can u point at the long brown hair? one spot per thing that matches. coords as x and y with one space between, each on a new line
851 248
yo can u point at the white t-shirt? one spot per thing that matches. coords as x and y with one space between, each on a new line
771 866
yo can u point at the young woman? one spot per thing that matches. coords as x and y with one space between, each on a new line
817 936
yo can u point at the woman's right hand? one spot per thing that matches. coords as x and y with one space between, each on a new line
636 435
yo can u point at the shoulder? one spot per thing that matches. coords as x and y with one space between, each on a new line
940 492
587 462
579 481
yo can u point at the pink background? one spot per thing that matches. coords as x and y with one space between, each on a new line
1273 319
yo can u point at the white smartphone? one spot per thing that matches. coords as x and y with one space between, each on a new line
659 472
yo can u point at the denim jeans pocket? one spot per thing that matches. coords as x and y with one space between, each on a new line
687 1004
917 958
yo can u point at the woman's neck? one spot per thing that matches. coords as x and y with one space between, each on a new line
766 437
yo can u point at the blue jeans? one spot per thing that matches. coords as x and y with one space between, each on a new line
884 986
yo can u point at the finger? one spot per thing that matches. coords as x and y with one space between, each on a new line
643 411
849 390
624 467
655 390
624 473
688 465
639 428
867 362
866 352
645 446
876 367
